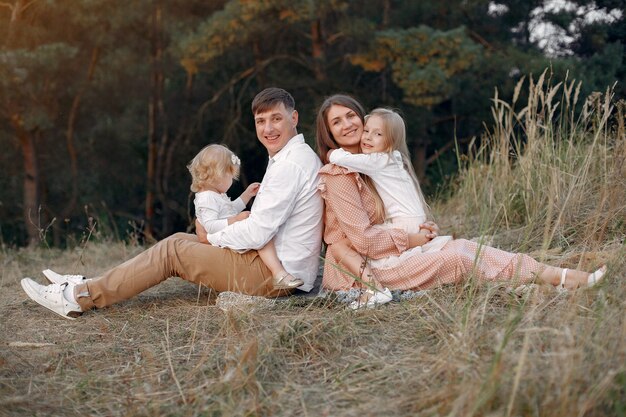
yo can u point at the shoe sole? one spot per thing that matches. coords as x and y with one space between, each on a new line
290 286
32 294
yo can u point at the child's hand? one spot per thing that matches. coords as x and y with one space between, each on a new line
250 192
329 152
239 217
253 188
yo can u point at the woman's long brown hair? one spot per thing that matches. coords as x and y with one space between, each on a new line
325 141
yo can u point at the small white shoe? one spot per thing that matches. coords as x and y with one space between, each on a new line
51 296
373 298
596 276
55 278
286 281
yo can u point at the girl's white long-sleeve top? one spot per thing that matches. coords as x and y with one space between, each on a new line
392 181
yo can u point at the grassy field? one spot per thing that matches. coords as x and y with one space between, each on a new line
552 187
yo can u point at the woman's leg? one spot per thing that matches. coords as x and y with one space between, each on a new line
523 266
570 278
354 263
374 293
496 264
461 258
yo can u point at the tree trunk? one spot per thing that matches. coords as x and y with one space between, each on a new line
386 12
31 196
153 118
31 180
419 161
317 50
185 126
161 161
419 155
71 148
16 13
258 59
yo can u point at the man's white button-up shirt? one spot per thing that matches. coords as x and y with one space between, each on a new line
288 208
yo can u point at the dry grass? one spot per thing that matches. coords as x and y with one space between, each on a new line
473 350
458 351
552 176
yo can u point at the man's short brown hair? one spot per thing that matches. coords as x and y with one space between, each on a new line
270 98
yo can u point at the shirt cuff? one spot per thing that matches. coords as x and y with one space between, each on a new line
239 204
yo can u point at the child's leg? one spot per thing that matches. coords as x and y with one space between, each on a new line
270 258
282 278
353 262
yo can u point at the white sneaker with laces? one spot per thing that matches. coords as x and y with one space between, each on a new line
375 298
56 278
51 296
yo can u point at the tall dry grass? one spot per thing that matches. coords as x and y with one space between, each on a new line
554 170
469 350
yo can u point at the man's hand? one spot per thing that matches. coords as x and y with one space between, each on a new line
201 233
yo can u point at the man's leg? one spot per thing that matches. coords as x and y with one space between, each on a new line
179 255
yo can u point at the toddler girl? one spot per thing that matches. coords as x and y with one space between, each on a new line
213 170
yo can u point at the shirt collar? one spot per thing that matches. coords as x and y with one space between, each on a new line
296 140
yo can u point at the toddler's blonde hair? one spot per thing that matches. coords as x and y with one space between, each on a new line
210 165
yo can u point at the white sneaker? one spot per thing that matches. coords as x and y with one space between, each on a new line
375 298
55 278
51 297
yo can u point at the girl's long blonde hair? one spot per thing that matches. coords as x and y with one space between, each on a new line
394 130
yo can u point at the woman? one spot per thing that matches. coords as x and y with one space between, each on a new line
354 211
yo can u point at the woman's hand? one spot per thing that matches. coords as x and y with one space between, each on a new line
421 238
428 231
432 228
201 233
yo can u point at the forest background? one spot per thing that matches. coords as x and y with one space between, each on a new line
103 103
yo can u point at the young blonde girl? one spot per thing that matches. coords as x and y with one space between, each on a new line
213 170
385 159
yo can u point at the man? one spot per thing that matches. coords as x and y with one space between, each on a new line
288 208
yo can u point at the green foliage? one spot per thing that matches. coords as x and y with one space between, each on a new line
77 79
423 61
29 74
242 22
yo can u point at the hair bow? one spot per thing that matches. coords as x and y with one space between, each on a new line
235 160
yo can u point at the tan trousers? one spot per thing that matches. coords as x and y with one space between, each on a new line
179 255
